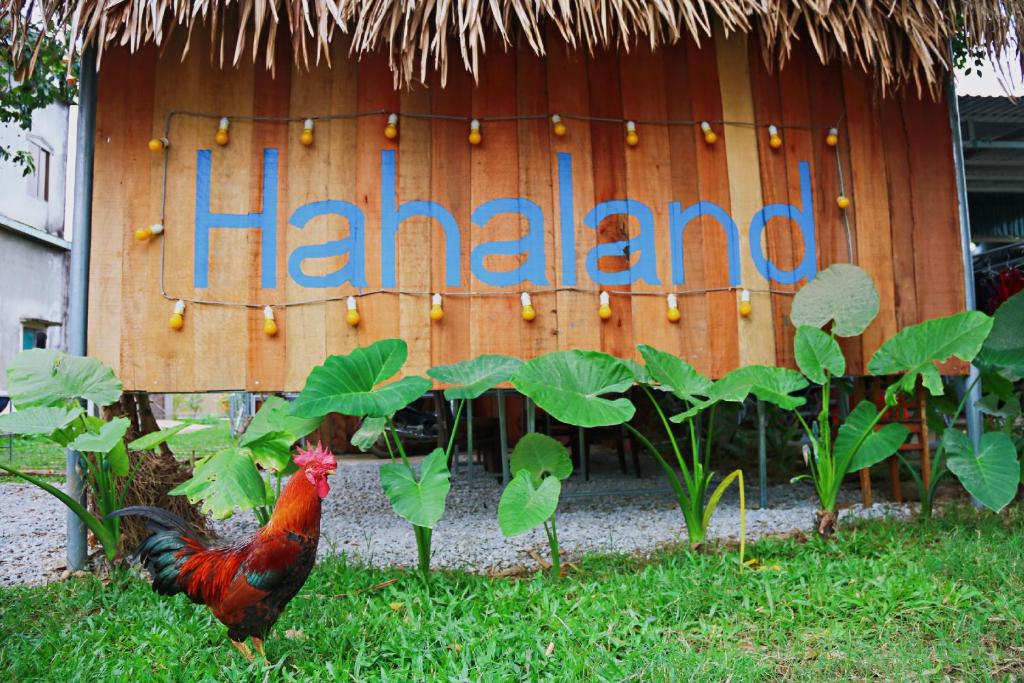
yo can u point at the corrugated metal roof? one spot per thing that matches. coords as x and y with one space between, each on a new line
991 109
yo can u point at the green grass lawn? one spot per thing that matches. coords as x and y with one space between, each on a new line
889 600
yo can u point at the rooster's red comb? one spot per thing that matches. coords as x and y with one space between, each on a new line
319 456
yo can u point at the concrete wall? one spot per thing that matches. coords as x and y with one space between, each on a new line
49 131
33 265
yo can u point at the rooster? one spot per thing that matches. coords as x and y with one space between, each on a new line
248 584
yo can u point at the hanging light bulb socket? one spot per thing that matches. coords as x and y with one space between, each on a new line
159 144
352 315
604 310
529 313
475 138
306 137
632 137
391 128
710 136
774 139
436 310
558 126
832 139
177 320
746 308
269 324
672 313
222 137
143 234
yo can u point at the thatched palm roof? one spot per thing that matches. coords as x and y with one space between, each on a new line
900 40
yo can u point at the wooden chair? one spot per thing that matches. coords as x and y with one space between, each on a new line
911 412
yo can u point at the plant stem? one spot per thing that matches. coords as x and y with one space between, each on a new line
556 559
423 535
455 429
398 441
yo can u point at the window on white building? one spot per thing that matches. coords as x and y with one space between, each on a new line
39 179
33 337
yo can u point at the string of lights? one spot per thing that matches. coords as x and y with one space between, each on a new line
475 136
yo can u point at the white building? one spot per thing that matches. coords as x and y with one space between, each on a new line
34 254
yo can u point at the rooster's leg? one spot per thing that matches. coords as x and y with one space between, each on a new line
257 643
244 649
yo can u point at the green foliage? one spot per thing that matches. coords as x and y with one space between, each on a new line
539 464
229 479
859 445
842 294
471 378
24 93
991 474
418 500
672 374
47 387
570 385
347 384
156 439
818 354
1003 350
915 350
225 481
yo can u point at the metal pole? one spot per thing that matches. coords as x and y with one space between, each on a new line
78 286
974 423
762 456
503 438
469 438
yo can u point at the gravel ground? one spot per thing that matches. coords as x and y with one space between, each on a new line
638 516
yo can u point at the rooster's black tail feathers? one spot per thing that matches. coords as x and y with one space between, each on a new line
164 552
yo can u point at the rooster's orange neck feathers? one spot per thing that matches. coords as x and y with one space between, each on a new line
297 509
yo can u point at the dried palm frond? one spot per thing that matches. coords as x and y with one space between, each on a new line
901 41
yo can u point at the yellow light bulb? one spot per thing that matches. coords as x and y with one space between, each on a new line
306 137
391 129
672 313
143 234
632 137
269 324
528 311
842 202
222 132
158 144
832 139
558 126
746 308
436 312
177 320
774 139
710 137
604 311
475 138
352 316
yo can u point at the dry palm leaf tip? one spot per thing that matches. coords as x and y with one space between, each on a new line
901 41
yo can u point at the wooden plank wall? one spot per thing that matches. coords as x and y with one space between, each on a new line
894 157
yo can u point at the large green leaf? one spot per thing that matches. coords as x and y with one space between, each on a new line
1004 348
842 293
569 386
524 506
110 434
817 354
674 374
225 481
766 382
418 501
118 461
39 420
541 456
154 439
272 433
915 350
473 377
990 474
46 377
859 445
345 384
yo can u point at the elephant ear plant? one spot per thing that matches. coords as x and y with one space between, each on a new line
230 479
844 296
539 465
48 387
348 384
